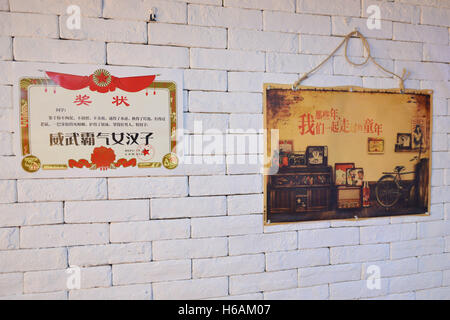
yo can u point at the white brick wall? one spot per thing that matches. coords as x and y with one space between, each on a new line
311 44
392 268
200 235
262 40
225 226
263 243
328 237
435 16
224 17
9 238
149 230
27 214
89 8
296 23
6 96
24 25
222 102
221 185
356 289
169 11
56 190
414 248
5 48
311 293
394 12
133 292
4 5
94 255
187 36
191 289
146 187
342 25
379 234
6 144
56 280
297 259
11 284
433 52
8 191
350 254
226 266
190 248
51 50
415 282
328 274
106 211
188 207
282 5
268 281
105 30
231 60
293 63
245 204
138 55
125 274
6 66
420 33
253 81
341 8
33 259
66 235
205 80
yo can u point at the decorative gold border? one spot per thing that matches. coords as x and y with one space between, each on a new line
268 86
149 165
55 167
173 109
25 83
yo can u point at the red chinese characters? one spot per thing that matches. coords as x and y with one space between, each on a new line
322 120
119 101
306 124
82 100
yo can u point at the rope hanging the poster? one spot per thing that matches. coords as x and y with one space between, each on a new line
345 41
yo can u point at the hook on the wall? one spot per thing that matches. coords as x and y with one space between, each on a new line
153 14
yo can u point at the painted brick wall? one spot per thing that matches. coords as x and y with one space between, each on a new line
201 236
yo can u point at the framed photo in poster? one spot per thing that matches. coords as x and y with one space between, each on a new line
417 137
375 145
286 146
317 155
340 173
403 142
355 177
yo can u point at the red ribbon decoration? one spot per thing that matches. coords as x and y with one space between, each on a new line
126 163
74 82
79 164
85 163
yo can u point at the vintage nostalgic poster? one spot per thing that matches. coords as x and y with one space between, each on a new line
97 124
353 153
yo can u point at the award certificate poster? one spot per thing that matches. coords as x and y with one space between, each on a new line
78 122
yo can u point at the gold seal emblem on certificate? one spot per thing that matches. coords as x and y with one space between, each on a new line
31 164
170 161
102 78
